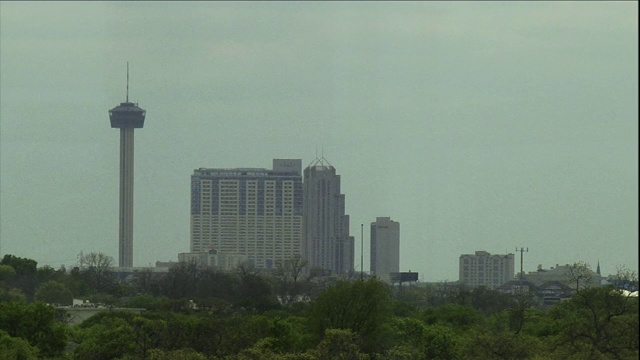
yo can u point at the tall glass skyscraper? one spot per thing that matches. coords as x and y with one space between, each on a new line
252 212
327 243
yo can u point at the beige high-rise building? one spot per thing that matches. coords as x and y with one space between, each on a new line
327 243
385 248
252 212
484 269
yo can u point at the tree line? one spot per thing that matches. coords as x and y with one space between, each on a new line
292 313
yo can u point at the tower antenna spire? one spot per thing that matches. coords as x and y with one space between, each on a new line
127 81
522 250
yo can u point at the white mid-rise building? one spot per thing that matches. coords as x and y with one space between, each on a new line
484 269
385 248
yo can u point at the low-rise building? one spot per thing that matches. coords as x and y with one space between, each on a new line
563 275
213 259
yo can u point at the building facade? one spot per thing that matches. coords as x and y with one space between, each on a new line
563 275
327 243
385 248
213 259
249 212
484 269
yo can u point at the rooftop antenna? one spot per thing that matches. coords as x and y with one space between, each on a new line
127 81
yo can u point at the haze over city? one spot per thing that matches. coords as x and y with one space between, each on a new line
477 126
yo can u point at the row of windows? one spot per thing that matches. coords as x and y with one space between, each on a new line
481 268
487 277
240 222
467 261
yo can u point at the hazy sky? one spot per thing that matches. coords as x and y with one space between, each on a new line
477 126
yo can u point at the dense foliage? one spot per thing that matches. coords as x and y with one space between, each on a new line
195 313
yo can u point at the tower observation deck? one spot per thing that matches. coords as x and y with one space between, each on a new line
126 117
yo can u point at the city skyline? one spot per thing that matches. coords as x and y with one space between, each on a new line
478 126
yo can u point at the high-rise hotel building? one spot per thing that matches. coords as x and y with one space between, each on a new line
327 243
484 269
252 212
385 248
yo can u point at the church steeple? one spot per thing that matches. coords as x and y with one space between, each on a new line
598 268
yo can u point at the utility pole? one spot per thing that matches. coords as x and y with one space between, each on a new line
522 250
361 252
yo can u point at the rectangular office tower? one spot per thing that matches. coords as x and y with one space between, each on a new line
327 243
484 269
249 212
385 248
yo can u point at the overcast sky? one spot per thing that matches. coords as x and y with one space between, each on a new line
477 126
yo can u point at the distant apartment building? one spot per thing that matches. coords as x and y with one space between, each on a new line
385 248
248 212
484 269
327 243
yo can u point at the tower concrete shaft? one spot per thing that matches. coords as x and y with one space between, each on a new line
125 247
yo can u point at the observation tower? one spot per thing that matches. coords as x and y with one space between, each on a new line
127 116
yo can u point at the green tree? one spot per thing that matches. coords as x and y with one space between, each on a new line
112 338
182 354
181 281
523 300
145 301
339 344
360 306
216 285
37 324
47 273
16 348
25 277
484 345
598 322
416 340
147 334
625 278
146 282
460 316
53 292
579 274
489 301
13 294
20 265
254 292
7 273
290 281
96 270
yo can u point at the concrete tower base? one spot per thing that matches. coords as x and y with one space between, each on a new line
125 249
